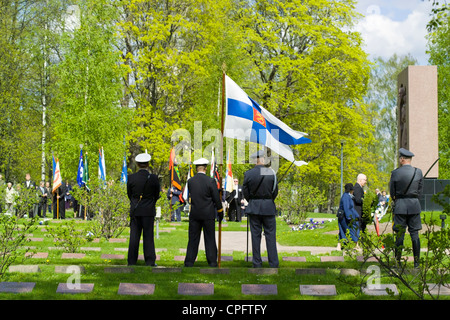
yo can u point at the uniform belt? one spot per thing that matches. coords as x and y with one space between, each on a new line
143 197
407 196
261 197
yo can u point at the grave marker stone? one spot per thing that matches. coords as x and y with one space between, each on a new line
136 288
259 289
75 288
318 290
196 289
17 287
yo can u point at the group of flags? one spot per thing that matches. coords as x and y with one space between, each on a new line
248 121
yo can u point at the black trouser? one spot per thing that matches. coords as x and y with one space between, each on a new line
257 222
140 225
195 229
414 224
62 209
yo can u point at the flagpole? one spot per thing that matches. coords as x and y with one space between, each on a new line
221 163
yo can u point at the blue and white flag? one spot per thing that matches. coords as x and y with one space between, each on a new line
80 169
124 174
246 120
101 165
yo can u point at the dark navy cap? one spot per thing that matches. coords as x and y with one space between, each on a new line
405 153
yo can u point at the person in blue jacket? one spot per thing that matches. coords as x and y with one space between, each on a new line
350 218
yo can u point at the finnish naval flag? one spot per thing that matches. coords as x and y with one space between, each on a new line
246 120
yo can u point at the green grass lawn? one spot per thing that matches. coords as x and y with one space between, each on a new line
173 237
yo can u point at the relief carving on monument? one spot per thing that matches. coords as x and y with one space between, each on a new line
403 117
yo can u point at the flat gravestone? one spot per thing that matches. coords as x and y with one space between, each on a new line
380 289
215 271
142 258
259 289
112 256
69 269
36 239
37 255
117 240
196 289
91 249
318 290
67 255
439 289
350 272
250 259
119 270
179 258
332 259
226 258
166 270
295 259
25 268
75 288
310 271
136 289
369 259
263 271
16 287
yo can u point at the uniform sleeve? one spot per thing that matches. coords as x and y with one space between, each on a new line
245 189
157 187
216 196
129 193
275 192
420 186
392 186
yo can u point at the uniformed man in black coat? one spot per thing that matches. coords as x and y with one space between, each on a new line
235 202
358 198
405 188
260 189
143 190
204 200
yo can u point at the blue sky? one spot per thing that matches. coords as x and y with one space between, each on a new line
395 26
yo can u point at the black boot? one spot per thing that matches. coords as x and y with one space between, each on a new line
416 252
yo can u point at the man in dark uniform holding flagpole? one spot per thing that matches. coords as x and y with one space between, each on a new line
405 188
143 190
204 200
260 189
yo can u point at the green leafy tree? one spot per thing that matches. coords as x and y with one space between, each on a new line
309 69
439 50
88 110
382 99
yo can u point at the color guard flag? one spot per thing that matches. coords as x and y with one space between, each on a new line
101 165
246 120
174 174
80 170
56 175
124 174
186 189
229 175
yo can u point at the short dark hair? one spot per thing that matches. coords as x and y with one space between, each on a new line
142 165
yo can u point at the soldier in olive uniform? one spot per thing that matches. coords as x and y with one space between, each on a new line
143 190
260 189
405 189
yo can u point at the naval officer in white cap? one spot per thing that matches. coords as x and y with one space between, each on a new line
143 190
204 199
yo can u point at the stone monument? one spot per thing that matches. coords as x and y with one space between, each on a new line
417 114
